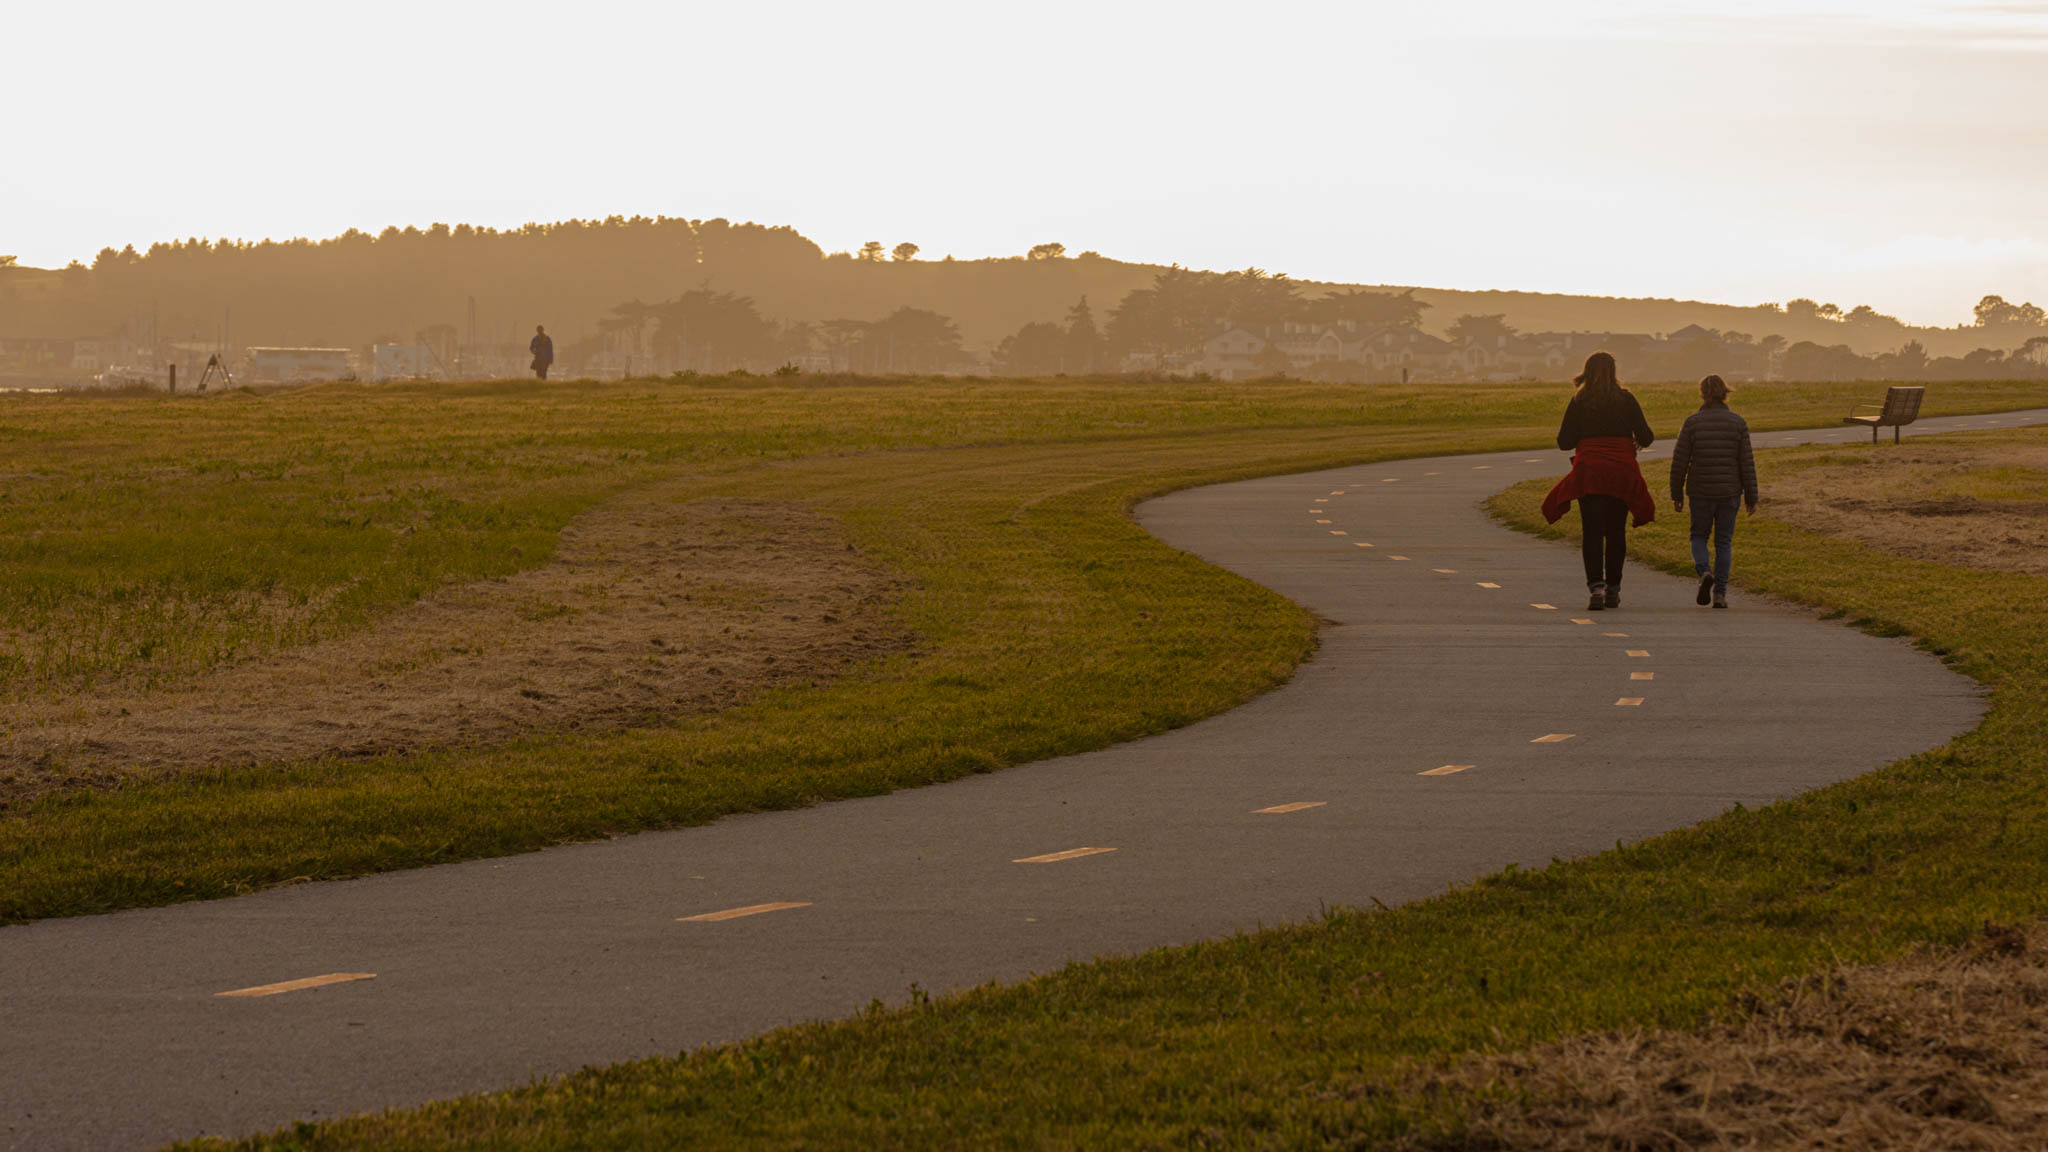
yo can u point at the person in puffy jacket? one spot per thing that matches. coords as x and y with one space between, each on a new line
1714 467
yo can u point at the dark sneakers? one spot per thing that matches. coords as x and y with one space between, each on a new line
1596 601
1720 599
1613 596
1706 595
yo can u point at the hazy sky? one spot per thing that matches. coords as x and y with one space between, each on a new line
1891 152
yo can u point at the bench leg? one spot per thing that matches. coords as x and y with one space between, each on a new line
1873 433
1895 432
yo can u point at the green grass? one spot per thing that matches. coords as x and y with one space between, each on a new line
1318 1035
1049 622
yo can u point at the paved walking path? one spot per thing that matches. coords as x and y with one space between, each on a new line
1407 756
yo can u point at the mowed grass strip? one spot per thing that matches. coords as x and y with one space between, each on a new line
1049 622
1315 1035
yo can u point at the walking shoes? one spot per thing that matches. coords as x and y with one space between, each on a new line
1706 595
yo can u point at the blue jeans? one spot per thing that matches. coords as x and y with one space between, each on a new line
1717 517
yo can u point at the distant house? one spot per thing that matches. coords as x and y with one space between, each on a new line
1229 355
1510 356
1407 354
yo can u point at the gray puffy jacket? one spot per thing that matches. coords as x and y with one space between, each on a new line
1713 460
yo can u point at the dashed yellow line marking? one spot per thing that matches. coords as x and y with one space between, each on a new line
1322 521
1448 769
1533 460
1056 857
1481 467
1360 544
1432 473
736 913
1638 653
1446 571
1391 480
1339 532
1544 607
1554 738
1297 806
1397 557
1642 675
1322 499
1616 635
1629 702
297 985
1484 584
1337 492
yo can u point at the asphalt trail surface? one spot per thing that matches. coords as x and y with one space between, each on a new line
1438 658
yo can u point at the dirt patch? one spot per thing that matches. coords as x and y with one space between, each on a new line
651 609
1939 1050
1969 504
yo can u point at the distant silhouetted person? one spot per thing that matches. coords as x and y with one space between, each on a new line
1603 429
1713 466
543 350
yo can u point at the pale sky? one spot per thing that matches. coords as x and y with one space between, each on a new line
1893 152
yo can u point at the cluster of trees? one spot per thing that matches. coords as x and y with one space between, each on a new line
1808 360
708 330
1990 312
906 340
1994 312
704 330
1181 308
872 252
1046 349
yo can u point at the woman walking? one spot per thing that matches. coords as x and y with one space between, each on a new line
1603 429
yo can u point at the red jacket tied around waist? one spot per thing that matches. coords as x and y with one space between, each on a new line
1603 466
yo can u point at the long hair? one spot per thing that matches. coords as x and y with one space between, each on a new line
1599 385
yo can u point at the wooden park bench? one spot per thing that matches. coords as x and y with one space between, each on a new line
1901 407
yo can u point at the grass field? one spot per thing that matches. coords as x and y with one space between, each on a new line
1323 1034
145 538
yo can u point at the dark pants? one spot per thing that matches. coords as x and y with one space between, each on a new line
1603 522
541 370
1715 517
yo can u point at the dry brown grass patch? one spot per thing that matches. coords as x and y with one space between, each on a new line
652 608
1969 502
1941 1050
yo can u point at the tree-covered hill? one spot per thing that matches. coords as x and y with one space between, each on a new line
357 289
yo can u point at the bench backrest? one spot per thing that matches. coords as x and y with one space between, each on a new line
1902 405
